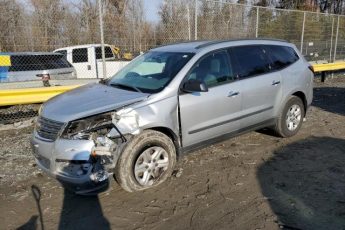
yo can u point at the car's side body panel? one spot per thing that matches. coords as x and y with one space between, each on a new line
209 114
260 96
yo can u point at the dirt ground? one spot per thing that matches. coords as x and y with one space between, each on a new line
254 181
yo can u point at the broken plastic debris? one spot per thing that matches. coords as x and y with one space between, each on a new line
101 151
99 176
104 147
177 173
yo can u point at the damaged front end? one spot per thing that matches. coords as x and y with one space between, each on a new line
88 149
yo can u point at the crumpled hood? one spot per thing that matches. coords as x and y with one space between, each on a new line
88 100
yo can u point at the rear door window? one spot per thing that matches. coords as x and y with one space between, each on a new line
80 55
107 52
250 61
63 52
55 62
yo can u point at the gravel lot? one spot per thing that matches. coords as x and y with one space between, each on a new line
255 181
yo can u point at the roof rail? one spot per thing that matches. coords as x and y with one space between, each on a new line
181 42
233 40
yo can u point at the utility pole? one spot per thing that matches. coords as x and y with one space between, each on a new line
102 37
302 36
336 41
196 20
188 19
257 23
330 49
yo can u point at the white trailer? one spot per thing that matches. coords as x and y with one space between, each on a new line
87 60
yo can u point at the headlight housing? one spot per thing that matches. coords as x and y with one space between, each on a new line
111 124
83 128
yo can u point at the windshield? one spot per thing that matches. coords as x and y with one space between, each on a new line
150 72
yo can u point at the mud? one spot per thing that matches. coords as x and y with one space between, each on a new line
254 181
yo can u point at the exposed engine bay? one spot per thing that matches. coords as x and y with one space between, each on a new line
109 133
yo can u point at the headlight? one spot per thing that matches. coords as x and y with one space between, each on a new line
111 124
83 128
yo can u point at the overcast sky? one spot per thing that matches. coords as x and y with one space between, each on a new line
151 9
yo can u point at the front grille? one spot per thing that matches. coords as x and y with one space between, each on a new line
48 129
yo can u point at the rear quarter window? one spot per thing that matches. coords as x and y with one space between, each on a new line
281 56
250 61
38 62
107 52
63 52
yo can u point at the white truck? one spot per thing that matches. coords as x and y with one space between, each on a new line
87 60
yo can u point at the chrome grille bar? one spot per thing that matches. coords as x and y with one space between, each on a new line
48 129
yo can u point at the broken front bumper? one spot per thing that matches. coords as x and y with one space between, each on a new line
71 163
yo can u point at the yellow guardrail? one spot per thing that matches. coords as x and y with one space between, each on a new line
32 95
5 60
329 66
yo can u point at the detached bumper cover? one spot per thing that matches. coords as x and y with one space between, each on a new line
68 161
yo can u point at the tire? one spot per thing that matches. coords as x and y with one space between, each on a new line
286 127
148 157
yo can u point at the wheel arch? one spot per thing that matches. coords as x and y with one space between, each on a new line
170 133
302 96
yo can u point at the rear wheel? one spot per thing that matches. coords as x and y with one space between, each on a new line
147 161
291 118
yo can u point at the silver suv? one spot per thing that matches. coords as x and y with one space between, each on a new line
167 102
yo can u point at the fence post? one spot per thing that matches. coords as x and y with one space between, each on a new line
330 48
102 38
188 18
257 23
302 35
336 40
196 20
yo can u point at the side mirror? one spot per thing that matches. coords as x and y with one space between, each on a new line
194 85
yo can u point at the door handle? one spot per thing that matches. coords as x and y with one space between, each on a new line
88 67
233 94
275 82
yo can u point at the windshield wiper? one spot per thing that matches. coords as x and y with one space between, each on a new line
119 85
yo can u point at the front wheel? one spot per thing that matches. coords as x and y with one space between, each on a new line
291 118
146 161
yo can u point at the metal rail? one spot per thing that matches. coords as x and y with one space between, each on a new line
329 67
32 95
326 68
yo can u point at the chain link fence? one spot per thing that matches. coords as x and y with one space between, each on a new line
57 42
320 37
